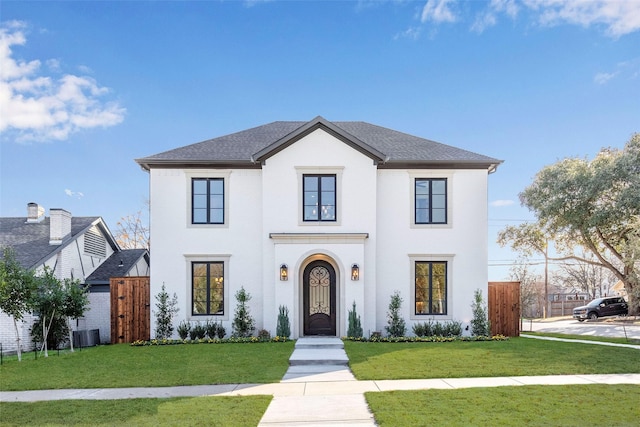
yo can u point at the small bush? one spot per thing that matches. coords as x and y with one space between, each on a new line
183 329
198 331
220 330
284 328
355 327
167 310
396 326
243 322
480 325
264 335
211 328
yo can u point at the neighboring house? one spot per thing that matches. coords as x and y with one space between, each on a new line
80 248
315 216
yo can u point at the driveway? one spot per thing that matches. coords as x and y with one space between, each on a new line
601 327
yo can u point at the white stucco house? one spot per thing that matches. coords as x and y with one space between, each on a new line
315 216
81 248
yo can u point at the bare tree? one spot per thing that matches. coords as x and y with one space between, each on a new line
531 294
132 233
591 278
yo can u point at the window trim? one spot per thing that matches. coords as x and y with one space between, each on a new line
198 258
432 258
431 175
207 174
322 170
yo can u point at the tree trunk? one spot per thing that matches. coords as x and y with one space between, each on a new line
70 334
18 347
633 296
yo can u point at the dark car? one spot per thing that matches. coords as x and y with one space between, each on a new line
600 307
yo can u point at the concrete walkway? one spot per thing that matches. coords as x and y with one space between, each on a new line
317 389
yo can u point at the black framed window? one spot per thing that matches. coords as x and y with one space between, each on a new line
207 201
207 288
319 194
431 201
430 287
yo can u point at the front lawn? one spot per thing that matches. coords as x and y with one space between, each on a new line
580 405
122 365
205 411
517 356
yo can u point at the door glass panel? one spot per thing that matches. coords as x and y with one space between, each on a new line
319 291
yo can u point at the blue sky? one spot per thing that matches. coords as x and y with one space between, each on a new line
86 87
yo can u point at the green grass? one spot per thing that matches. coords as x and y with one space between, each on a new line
205 411
586 337
580 405
153 366
517 356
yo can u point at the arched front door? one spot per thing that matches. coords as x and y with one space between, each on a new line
319 299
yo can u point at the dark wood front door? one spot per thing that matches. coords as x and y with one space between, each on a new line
319 296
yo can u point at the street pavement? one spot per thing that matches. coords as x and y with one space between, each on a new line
605 327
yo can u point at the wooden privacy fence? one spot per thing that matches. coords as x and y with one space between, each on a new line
130 309
504 308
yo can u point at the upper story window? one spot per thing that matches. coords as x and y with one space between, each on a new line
430 200
319 197
207 204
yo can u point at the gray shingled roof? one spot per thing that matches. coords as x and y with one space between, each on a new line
117 265
388 147
30 241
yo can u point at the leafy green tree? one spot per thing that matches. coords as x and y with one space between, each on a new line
17 289
75 300
49 304
395 323
594 205
243 323
480 325
167 310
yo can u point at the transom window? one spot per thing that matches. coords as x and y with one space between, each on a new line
430 287
431 200
207 288
207 201
319 200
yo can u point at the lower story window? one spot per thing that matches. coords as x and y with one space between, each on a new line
207 280
431 287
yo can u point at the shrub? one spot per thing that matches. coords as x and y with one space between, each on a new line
183 329
355 327
211 328
58 332
453 328
396 326
220 330
167 309
198 331
480 323
283 329
243 324
264 335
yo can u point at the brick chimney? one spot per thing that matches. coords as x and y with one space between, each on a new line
60 226
35 213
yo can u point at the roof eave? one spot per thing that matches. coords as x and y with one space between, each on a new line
490 166
147 164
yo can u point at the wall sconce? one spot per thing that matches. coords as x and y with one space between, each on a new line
284 272
355 272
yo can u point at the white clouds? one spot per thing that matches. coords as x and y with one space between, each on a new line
615 17
44 108
438 11
501 203
619 17
76 194
602 78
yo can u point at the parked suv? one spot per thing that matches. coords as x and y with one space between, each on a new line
600 307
